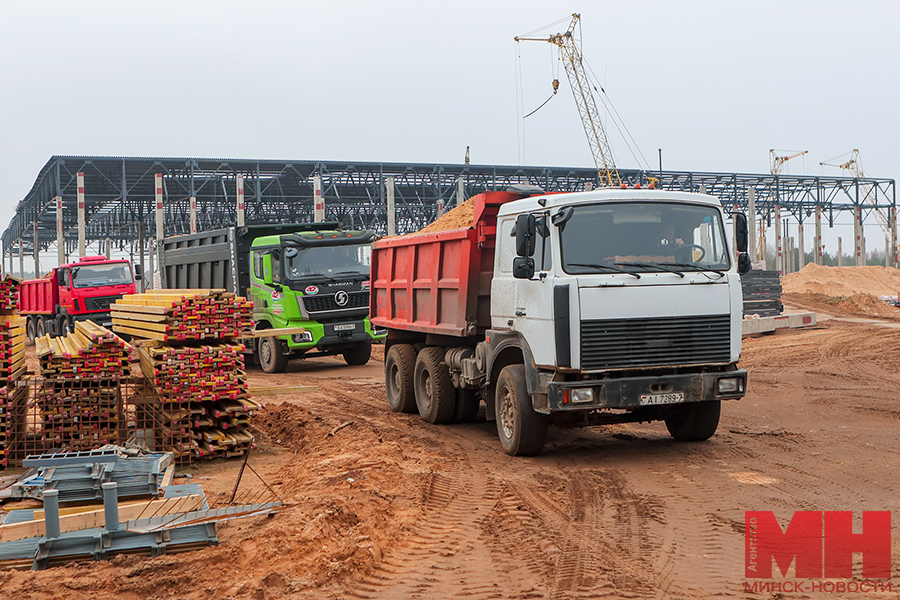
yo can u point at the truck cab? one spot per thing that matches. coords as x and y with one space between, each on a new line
318 280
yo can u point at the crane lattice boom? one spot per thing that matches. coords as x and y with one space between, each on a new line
584 100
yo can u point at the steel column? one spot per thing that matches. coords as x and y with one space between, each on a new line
819 247
193 203
391 210
158 198
239 182
81 217
37 248
318 200
801 247
779 259
60 234
751 223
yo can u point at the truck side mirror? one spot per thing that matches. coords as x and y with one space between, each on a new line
741 233
523 267
744 264
138 273
267 269
525 231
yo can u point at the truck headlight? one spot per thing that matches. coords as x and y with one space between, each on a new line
300 338
376 331
582 395
729 385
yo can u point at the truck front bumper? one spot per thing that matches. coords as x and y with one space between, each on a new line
328 336
635 392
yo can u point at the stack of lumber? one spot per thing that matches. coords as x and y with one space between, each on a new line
182 315
12 367
203 409
81 398
203 393
9 287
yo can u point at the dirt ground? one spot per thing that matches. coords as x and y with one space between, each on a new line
391 507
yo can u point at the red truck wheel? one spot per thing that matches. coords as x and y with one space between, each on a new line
435 394
399 364
522 431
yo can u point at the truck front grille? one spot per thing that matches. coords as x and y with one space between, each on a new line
99 302
316 304
655 342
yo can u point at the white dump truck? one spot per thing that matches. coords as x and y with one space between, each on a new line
571 309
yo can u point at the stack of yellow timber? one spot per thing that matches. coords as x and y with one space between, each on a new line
203 392
81 397
203 406
12 367
9 297
182 315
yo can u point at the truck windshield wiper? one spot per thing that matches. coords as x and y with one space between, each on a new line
695 267
653 265
610 267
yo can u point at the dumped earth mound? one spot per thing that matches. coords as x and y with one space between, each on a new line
461 216
843 281
856 305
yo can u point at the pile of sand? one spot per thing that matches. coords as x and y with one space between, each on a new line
843 281
461 216
855 305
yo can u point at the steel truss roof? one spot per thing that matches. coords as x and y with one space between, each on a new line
119 193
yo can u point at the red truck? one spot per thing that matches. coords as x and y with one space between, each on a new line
75 291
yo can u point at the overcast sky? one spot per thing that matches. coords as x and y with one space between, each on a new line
714 84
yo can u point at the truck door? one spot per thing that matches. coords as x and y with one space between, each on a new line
533 316
66 302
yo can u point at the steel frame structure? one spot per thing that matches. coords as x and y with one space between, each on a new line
119 194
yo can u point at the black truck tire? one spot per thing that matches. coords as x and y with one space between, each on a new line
399 364
467 405
358 354
522 431
272 358
435 394
694 421
30 330
40 328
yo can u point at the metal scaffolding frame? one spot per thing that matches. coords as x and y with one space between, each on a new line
119 194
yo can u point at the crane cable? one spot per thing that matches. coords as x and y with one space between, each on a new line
555 89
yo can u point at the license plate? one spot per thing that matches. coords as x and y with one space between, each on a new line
673 398
346 327
107 323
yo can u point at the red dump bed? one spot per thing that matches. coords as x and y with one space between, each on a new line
39 296
438 282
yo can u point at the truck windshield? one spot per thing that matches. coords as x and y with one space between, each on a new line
330 261
644 237
100 275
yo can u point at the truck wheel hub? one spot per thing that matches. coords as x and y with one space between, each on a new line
507 412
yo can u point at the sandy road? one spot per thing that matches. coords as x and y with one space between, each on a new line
390 507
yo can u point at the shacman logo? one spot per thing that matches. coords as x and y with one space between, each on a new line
821 546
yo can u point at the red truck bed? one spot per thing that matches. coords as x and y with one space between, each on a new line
438 282
38 296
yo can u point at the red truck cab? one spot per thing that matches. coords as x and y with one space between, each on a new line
76 291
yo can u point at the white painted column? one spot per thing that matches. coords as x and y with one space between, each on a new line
81 220
391 211
840 254
240 200
779 263
37 252
440 208
193 203
819 247
801 247
21 257
108 248
148 277
751 223
318 200
857 231
60 233
460 191
160 224
588 186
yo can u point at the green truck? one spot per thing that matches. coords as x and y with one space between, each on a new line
309 275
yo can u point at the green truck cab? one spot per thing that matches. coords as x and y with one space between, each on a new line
309 275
